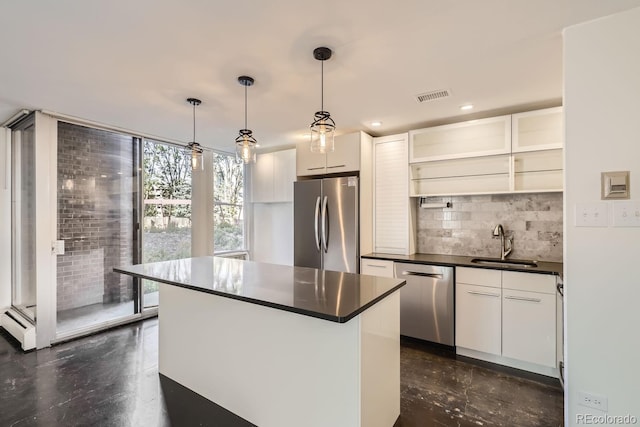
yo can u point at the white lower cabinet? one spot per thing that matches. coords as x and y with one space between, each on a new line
478 321
529 327
376 267
507 317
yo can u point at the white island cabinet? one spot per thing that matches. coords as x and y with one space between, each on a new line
281 346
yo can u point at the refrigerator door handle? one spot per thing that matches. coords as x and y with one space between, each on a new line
315 222
325 245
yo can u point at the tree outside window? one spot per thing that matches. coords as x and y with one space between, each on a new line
228 206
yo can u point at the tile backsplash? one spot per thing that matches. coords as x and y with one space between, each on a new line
534 221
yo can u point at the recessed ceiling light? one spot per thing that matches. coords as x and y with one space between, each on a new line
376 124
466 107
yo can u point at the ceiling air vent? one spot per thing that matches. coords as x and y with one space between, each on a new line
433 95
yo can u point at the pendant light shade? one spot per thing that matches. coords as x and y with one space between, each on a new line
195 148
323 127
245 142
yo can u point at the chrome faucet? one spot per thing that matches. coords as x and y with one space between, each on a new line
498 231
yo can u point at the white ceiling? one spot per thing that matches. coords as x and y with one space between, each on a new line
132 64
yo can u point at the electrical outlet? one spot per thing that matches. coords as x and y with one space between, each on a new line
593 401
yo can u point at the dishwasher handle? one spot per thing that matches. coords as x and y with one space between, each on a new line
417 273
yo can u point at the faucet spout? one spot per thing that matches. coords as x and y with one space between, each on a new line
498 231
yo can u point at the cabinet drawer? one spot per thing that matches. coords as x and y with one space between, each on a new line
530 282
479 276
376 267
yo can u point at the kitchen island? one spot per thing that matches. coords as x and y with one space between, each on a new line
278 345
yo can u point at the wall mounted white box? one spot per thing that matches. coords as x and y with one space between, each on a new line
626 214
594 214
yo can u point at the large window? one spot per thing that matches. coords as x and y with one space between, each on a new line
228 206
167 208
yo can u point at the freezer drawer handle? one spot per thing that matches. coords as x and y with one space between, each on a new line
523 298
376 266
416 273
336 166
316 223
486 294
324 224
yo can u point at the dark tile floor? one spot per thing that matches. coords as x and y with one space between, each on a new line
111 379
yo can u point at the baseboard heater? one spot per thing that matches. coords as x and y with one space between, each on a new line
20 328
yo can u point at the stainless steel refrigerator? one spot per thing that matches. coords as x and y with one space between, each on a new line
325 221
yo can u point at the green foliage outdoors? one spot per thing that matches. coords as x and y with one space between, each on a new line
167 175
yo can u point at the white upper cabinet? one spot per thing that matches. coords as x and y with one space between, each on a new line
346 154
308 163
483 137
517 153
538 130
538 138
284 175
272 177
262 179
344 158
392 230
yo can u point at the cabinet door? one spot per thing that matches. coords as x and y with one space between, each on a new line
308 163
478 318
538 170
529 327
472 175
346 155
483 137
284 175
262 179
538 130
376 267
391 195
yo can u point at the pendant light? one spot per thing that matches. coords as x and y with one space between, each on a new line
245 142
323 127
195 148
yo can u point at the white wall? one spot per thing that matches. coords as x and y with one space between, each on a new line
602 282
5 218
272 233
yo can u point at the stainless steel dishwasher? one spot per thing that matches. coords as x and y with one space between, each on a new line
426 302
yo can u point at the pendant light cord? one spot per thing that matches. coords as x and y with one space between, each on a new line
194 122
245 106
322 85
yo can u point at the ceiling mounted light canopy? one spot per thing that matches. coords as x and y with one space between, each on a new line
195 148
323 127
245 142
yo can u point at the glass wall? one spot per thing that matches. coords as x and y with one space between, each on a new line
23 195
228 207
97 215
167 208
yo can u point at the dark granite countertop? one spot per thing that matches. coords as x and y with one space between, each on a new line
329 295
543 267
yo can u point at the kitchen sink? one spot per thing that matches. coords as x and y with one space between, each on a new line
521 263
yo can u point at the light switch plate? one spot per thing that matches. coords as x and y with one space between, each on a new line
594 214
57 247
626 214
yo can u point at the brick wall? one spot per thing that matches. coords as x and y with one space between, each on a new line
534 220
95 215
